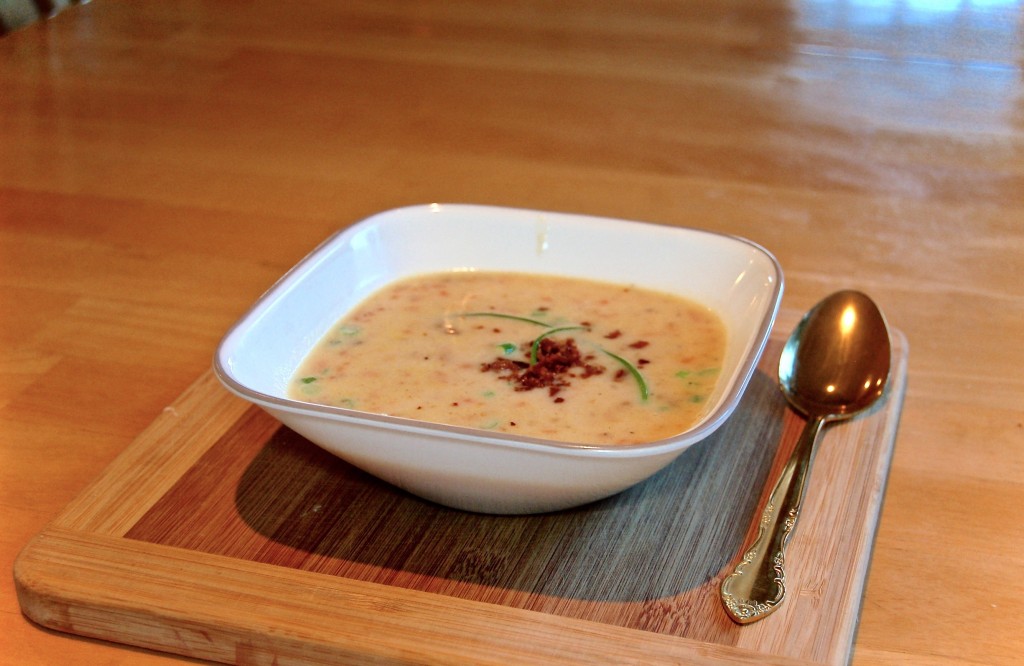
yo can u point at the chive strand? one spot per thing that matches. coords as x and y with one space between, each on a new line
632 369
536 343
500 315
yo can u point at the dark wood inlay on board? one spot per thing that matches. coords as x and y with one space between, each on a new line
646 558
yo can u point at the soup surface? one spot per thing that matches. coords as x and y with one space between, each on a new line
559 358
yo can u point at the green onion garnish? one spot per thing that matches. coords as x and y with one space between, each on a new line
503 316
536 343
641 382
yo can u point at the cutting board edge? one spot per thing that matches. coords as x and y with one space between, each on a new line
797 611
92 604
842 653
162 451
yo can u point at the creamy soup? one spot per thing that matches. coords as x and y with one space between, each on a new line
558 358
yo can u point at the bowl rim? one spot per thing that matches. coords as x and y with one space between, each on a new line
703 428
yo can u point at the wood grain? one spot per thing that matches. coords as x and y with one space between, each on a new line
330 621
161 164
216 488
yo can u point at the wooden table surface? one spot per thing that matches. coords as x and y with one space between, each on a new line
161 164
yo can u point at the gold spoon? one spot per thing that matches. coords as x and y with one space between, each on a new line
835 364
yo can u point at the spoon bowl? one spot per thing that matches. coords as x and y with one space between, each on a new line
835 364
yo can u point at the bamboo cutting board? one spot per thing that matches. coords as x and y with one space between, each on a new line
220 534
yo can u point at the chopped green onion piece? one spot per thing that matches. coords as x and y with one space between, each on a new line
536 343
507 348
308 380
641 382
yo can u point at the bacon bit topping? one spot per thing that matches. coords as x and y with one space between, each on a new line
553 369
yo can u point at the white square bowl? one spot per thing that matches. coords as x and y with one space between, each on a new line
479 470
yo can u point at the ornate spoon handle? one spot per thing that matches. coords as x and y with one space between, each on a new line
757 585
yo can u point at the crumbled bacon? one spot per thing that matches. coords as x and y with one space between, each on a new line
553 370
